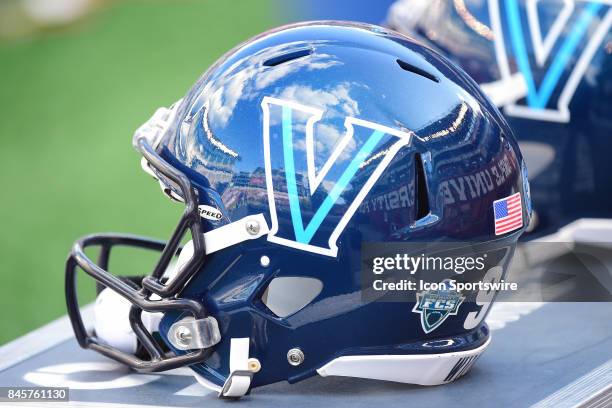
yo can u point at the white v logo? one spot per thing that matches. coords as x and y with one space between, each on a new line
512 31
286 188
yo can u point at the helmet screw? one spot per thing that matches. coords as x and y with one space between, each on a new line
252 227
295 357
254 365
183 335
264 261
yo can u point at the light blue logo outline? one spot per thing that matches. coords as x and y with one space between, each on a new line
303 235
538 98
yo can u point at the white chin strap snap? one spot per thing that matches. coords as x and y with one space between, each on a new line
239 380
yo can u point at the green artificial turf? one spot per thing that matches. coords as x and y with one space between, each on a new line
69 102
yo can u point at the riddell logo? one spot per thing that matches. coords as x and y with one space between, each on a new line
209 213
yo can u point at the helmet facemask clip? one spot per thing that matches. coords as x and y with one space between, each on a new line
156 294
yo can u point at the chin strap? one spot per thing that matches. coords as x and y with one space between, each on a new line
238 382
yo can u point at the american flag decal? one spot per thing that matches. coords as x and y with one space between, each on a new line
508 214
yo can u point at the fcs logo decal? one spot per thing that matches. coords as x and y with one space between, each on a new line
289 143
561 56
435 306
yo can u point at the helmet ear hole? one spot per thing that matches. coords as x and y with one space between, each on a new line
288 295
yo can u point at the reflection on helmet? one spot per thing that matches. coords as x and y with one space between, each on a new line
309 141
547 65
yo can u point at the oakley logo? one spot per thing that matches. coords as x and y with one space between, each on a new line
549 65
319 197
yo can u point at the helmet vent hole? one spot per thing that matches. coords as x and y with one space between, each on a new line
288 295
281 59
416 70
420 189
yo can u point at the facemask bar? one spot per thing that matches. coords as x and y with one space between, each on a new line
152 284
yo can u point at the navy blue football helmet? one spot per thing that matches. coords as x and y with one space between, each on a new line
547 64
290 153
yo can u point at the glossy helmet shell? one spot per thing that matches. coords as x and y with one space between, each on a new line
562 120
458 140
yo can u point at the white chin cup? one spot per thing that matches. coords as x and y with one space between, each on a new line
112 322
